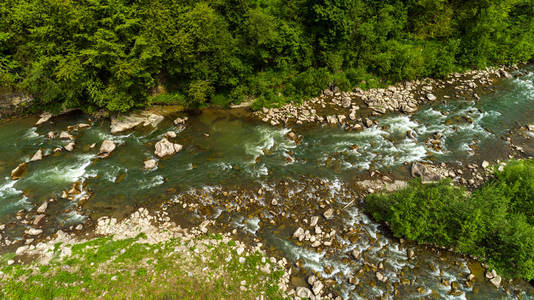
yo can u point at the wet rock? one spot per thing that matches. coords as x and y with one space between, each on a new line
170 134
18 172
123 123
42 209
37 156
496 281
506 74
485 164
431 97
83 125
39 219
107 147
150 164
165 148
328 214
530 128
33 231
292 136
427 175
367 122
44 117
66 136
70 146
180 121
356 253
51 135
303 292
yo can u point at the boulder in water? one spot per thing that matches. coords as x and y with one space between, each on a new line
431 97
180 121
70 147
42 209
150 164
165 148
530 127
18 172
44 117
66 136
39 219
123 123
303 292
170 134
107 147
37 156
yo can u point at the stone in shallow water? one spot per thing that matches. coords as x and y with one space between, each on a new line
165 148
150 164
37 156
70 147
18 171
107 147
44 117
329 214
42 208
303 292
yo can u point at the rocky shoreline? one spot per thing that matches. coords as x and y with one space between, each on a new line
354 110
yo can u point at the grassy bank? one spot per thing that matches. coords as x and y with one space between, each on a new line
207 267
494 222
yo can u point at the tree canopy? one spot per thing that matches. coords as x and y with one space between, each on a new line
113 53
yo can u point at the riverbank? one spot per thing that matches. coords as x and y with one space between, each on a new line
141 257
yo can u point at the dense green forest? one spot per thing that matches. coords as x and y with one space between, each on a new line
495 222
114 53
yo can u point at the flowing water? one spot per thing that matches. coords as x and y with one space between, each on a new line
251 177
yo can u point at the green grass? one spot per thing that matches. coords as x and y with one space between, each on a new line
141 270
495 222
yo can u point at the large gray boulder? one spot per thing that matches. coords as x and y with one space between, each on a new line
123 123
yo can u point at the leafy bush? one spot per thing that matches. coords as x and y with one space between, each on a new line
494 222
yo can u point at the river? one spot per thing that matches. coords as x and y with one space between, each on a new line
250 177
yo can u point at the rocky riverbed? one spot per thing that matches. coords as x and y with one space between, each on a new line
297 191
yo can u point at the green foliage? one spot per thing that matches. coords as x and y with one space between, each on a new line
494 222
112 53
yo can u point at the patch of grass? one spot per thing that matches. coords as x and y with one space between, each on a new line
129 268
495 222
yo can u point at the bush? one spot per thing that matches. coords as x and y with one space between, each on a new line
494 222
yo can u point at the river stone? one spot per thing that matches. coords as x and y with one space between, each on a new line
37 156
33 231
170 134
20 250
298 233
431 97
496 281
66 136
107 147
123 123
18 171
485 164
356 253
83 125
180 121
381 277
530 128
427 175
165 148
303 292
317 287
314 220
329 214
44 117
367 122
38 220
42 209
506 74
150 164
70 147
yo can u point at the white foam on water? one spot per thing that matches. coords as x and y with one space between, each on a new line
150 183
268 139
252 225
31 133
8 188
72 218
111 173
22 202
64 173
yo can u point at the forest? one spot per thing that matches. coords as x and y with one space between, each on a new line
123 54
